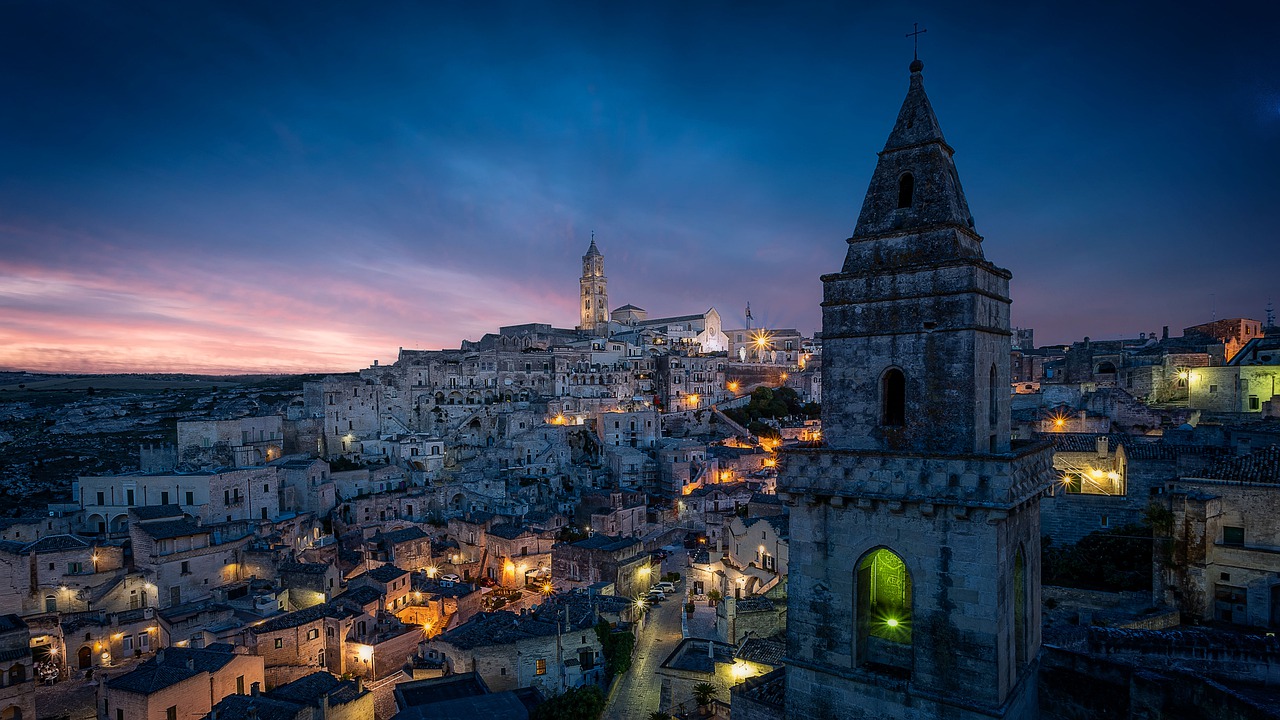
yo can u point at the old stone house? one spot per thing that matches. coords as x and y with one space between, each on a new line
553 648
179 682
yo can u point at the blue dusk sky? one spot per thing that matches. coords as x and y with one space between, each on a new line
307 186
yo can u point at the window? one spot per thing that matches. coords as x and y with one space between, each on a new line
906 190
1253 403
128 643
1232 535
164 498
279 643
191 498
186 567
119 714
313 633
893 392
883 607
240 685
128 495
50 603
540 667
1213 388
1104 521
171 713
102 499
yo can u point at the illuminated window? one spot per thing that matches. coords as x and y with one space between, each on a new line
541 667
883 610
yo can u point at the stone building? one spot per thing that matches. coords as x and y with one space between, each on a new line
17 670
230 443
318 696
601 558
914 589
595 292
1225 542
182 560
179 682
552 648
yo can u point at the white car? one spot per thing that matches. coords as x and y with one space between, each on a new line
450 578
656 595
666 587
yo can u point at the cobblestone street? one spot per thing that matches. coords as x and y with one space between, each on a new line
642 690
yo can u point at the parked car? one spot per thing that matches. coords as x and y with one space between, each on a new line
450 578
665 587
655 595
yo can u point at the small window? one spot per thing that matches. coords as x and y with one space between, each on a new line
171 713
1105 521
1213 388
540 667
279 643
239 684
191 498
906 191
1253 403
893 393
1232 535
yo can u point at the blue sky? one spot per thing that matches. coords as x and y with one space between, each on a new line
308 186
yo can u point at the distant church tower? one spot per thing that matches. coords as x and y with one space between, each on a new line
914 589
595 293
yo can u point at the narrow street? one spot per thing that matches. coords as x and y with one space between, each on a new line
641 690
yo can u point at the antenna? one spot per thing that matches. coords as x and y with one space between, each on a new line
1271 314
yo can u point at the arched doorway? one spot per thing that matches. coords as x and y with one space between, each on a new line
84 658
13 712
883 610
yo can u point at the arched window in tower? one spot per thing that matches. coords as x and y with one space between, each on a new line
1020 607
993 408
893 395
883 610
906 190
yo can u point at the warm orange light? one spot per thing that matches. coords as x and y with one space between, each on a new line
770 462
693 399
726 476
733 386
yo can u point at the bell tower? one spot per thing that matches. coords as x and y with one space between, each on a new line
595 294
917 526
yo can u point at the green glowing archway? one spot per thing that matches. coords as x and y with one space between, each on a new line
883 609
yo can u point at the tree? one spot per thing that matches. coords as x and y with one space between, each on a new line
617 648
713 597
583 703
704 693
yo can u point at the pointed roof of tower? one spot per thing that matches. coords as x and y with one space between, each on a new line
593 250
931 197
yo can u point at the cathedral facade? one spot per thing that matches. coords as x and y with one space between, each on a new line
915 532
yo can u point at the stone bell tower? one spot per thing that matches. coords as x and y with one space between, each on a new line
594 290
917 527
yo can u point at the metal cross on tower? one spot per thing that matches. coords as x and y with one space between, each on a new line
915 37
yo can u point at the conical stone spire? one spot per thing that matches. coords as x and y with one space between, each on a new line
914 191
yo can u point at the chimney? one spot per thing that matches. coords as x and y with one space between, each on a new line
1103 450
254 689
191 663
1165 334
160 656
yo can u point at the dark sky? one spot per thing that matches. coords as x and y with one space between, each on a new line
308 186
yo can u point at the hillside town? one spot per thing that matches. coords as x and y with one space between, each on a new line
608 516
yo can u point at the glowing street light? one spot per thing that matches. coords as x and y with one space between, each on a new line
891 622
694 399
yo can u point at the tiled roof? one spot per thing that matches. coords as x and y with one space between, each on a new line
781 525
607 543
170 667
763 651
165 529
260 707
758 603
11 622
294 619
768 689
502 627
308 689
157 512
359 596
55 543
1261 466
403 535
509 531
384 574
766 499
